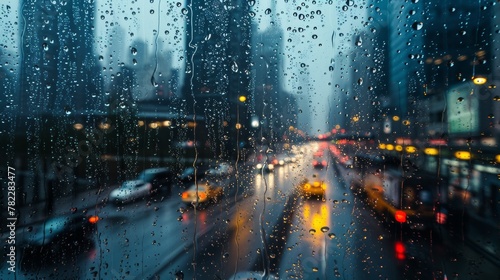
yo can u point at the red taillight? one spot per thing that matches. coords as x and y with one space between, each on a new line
315 162
185 195
324 162
400 249
441 218
93 219
400 216
202 195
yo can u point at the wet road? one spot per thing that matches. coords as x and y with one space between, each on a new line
261 224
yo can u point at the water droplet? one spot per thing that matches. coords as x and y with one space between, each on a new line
349 3
345 8
312 231
153 81
325 229
234 67
133 51
184 11
251 3
332 235
101 58
151 11
359 41
418 25
208 37
315 269
460 99
360 81
302 16
267 11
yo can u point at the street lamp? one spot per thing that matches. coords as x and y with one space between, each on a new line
479 80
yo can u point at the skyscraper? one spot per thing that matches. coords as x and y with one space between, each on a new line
59 68
218 65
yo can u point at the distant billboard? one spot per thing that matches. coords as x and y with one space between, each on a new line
463 109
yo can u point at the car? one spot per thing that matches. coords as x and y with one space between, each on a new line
59 234
268 167
188 174
319 162
148 182
207 192
314 187
221 169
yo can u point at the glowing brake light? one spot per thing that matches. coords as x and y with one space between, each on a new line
400 216
93 219
400 249
185 195
441 218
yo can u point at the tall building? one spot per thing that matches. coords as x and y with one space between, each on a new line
218 67
217 61
271 105
459 47
59 72
405 55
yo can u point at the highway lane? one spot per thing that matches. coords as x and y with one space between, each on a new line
260 224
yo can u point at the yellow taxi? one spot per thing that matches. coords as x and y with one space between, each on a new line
315 187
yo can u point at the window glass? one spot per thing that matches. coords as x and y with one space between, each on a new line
250 139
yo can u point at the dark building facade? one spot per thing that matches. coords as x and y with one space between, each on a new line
59 68
456 54
218 69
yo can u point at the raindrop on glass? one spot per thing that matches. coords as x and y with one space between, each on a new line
234 67
418 25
